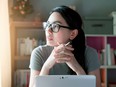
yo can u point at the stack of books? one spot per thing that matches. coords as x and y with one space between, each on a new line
21 78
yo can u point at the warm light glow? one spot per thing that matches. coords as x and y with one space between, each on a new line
5 54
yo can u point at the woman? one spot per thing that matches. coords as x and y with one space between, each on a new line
65 52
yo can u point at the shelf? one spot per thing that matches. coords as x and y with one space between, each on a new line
105 54
27 57
108 67
27 24
99 35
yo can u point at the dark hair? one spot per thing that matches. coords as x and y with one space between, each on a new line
73 19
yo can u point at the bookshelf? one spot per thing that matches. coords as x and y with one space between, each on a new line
26 31
108 62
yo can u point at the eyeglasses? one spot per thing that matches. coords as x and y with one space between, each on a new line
55 27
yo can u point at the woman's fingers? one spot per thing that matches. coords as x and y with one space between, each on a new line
62 60
69 48
62 47
63 53
63 57
59 48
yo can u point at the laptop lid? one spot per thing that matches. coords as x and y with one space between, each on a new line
65 81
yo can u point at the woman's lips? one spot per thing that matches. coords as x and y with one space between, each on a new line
49 38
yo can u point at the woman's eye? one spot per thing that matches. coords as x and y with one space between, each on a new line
54 26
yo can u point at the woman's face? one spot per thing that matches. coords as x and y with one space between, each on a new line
62 36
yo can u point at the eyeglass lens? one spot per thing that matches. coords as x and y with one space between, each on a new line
54 27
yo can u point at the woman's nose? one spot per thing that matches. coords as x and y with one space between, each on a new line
49 29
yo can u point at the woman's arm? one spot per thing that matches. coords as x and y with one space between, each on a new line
33 74
98 77
79 71
44 71
75 66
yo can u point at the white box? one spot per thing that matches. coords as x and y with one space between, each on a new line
113 14
114 29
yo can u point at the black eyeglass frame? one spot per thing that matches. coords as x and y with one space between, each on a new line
48 25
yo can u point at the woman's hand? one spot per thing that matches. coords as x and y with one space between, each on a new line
64 55
75 66
60 54
49 63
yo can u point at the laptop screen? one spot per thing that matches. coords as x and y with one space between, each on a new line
65 81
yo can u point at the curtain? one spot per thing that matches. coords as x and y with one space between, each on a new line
5 50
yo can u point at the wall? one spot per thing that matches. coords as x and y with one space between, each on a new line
84 7
5 50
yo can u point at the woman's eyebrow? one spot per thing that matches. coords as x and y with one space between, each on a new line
57 22
54 22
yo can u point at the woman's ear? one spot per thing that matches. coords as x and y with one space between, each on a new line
73 34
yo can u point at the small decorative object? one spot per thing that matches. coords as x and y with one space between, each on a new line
72 7
22 8
113 14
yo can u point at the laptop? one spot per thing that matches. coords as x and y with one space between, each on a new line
65 81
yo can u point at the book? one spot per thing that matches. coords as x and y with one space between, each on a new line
108 54
103 57
112 57
21 78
